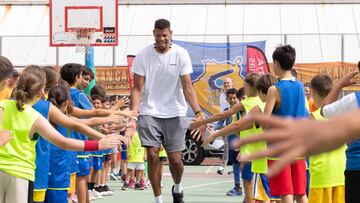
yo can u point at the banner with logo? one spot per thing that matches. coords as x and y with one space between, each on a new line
212 62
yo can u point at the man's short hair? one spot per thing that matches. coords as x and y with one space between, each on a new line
322 84
162 24
285 55
230 91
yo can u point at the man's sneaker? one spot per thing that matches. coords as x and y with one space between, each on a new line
177 197
109 191
96 194
131 184
125 186
138 186
220 171
234 192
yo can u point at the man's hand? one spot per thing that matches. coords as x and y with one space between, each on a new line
5 137
130 130
289 139
199 132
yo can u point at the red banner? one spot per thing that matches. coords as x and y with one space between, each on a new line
130 60
256 60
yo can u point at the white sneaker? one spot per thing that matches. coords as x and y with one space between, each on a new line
113 177
96 194
74 198
91 196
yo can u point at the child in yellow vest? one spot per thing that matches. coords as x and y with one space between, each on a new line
259 184
136 164
327 178
242 107
17 158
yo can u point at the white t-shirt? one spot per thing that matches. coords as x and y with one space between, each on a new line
346 104
223 103
162 95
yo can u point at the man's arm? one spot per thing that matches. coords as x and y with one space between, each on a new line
135 99
191 98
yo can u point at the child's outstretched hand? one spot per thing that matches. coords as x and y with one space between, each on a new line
110 141
348 79
289 139
5 137
127 113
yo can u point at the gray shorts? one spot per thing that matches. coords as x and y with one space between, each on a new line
170 132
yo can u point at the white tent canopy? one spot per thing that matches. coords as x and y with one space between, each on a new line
319 32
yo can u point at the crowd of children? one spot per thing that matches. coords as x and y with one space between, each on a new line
49 152
59 145
285 96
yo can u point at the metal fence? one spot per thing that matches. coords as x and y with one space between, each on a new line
311 48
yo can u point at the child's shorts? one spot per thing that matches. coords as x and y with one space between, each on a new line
57 196
329 194
136 165
97 163
107 157
290 181
260 189
84 167
246 173
72 184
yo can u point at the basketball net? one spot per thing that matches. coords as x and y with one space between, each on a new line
84 36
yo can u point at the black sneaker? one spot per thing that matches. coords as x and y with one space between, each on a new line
178 197
125 186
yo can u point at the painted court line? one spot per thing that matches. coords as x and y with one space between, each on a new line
209 169
207 184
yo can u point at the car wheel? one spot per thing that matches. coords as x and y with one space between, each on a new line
193 153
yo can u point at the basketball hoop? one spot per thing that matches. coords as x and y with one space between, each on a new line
84 37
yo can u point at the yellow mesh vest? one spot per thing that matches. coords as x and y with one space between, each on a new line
136 152
17 157
327 169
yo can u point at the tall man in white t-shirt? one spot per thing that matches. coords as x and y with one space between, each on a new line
162 86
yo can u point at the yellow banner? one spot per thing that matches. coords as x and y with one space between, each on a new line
116 81
336 70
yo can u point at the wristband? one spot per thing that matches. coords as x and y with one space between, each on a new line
91 145
198 113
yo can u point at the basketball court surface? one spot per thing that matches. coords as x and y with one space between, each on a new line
201 185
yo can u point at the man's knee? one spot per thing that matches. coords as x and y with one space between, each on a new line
152 154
